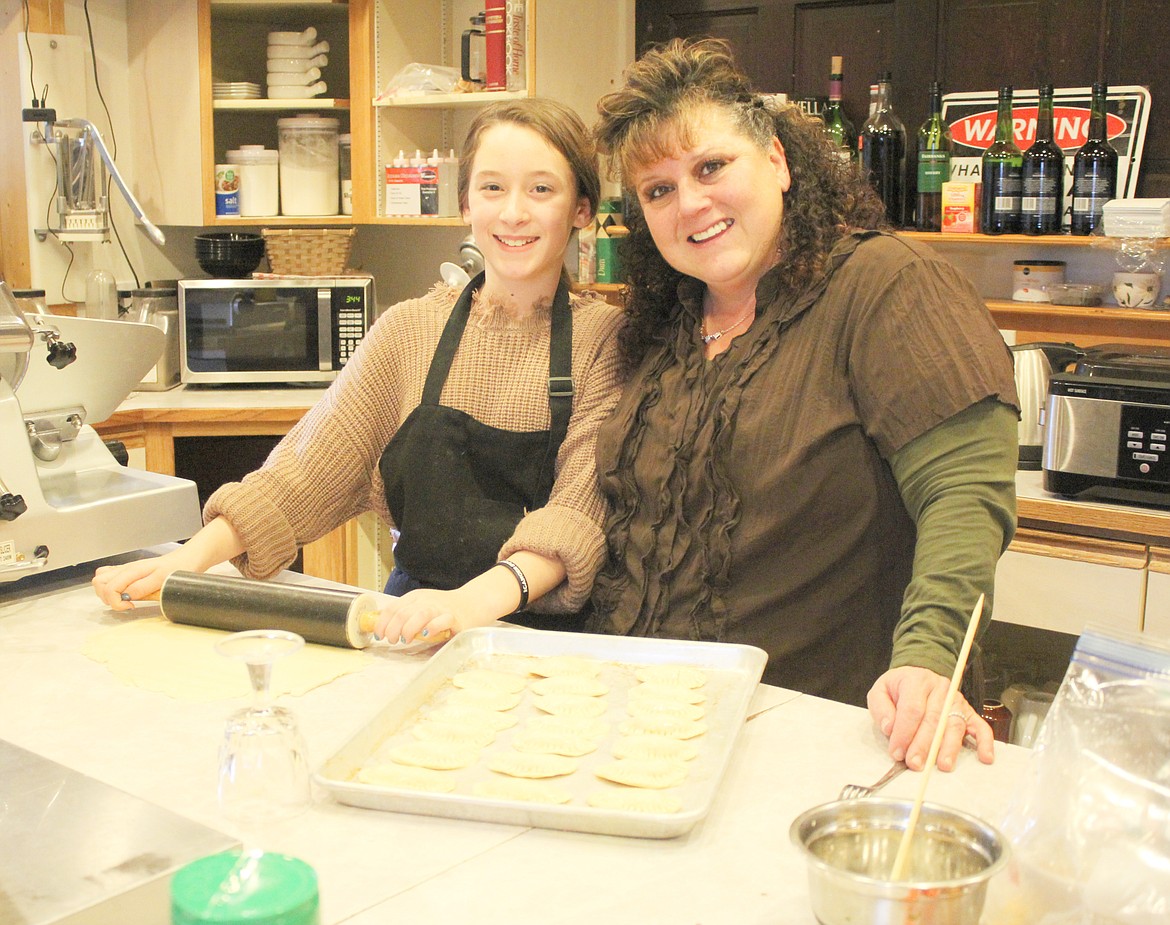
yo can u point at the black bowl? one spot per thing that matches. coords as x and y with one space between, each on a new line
229 253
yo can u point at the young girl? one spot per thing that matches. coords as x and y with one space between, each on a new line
466 419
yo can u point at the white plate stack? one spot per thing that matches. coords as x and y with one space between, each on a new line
235 90
295 60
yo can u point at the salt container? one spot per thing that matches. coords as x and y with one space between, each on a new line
259 179
309 178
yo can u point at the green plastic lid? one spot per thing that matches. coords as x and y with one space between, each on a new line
252 888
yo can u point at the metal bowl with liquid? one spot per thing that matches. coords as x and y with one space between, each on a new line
850 846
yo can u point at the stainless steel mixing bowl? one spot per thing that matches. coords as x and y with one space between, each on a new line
850 846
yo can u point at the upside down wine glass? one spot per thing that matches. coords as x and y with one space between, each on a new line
263 770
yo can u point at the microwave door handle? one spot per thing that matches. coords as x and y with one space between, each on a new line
325 330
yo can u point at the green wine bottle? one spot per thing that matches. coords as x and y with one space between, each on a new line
837 124
1001 174
1042 202
934 163
1094 170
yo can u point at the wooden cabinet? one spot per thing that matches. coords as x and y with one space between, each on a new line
178 49
1057 582
1157 622
233 37
573 54
427 32
785 46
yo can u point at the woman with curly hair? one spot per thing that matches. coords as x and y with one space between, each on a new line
816 450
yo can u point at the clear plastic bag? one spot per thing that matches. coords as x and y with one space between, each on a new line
419 79
1090 822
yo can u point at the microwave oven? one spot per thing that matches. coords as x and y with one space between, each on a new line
271 331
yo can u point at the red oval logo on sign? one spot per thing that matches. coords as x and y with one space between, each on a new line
1070 127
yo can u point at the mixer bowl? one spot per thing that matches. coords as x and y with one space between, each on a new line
850 846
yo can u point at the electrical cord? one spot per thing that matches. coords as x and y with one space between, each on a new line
113 142
28 45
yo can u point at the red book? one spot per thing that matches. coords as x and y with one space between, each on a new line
495 45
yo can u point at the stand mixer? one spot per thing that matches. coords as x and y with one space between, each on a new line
64 498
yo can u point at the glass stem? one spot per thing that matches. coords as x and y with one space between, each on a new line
260 675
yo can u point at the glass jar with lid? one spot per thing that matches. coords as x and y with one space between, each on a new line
309 183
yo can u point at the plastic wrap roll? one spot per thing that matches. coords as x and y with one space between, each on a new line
321 615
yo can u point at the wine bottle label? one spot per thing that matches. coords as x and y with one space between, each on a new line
934 169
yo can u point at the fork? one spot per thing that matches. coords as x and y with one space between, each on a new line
853 791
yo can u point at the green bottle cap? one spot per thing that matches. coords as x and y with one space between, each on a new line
234 888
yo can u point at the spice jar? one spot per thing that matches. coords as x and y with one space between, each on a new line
259 179
998 717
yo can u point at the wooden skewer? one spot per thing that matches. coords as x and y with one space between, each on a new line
936 743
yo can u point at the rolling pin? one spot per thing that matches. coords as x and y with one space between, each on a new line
321 615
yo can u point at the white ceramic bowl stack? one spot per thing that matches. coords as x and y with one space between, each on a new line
295 60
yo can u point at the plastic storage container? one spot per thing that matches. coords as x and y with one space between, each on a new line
259 179
309 167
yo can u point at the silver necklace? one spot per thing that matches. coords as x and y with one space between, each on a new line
711 338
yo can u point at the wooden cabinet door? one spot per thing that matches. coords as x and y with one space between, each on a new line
1057 582
1157 622
785 45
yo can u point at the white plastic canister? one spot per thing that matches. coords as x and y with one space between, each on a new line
308 165
259 179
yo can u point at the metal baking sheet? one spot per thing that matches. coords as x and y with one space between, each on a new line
733 672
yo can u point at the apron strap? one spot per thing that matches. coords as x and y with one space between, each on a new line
449 343
560 382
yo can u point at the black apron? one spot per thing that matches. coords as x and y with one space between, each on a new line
456 487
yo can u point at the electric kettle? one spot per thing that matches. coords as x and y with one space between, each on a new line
1035 364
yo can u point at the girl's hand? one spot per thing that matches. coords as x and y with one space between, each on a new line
422 615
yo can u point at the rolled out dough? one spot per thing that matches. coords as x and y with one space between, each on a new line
180 661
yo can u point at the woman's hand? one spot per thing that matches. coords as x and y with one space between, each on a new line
906 704
425 614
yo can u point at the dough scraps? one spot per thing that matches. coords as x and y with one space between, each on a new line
180 661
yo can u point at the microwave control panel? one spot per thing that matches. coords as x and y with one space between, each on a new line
350 310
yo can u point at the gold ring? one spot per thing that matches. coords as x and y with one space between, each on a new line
957 715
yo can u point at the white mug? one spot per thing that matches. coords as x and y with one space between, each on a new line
1136 290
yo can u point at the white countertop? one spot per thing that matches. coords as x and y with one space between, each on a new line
217 397
736 866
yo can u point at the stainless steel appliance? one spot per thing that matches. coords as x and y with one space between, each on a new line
274 331
1035 364
1107 426
64 499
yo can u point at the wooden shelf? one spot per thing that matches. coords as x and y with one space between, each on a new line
1100 320
317 102
277 221
420 221
450 100
1014 240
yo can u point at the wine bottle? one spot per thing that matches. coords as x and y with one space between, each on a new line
1042 200
1094 170
1001 174
934 163
837 124
882 148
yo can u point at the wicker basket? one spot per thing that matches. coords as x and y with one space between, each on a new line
308 251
